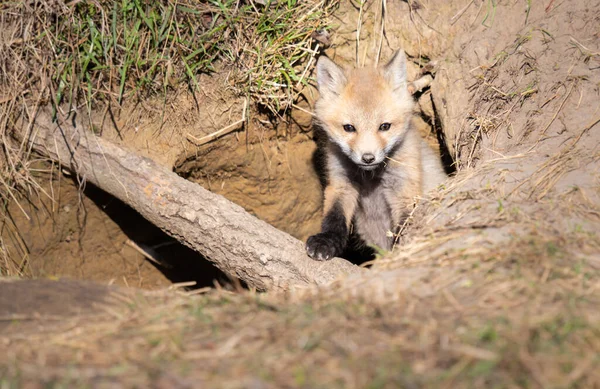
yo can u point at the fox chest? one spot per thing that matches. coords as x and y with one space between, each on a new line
373 218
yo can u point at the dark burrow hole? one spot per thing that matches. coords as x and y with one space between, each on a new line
178 262
437 129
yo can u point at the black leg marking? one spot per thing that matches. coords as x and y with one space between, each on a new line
357 251
333 237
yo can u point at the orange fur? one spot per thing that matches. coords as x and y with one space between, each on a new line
375 158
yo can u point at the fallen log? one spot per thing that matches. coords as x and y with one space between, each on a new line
223 232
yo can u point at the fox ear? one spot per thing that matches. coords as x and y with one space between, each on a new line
395 70
330 77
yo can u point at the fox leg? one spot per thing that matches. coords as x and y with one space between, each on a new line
339 206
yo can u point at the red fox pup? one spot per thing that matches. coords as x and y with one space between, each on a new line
376 162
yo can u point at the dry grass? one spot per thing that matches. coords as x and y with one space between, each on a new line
495 102
522 317
105 51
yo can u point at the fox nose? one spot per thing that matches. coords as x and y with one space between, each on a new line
368 158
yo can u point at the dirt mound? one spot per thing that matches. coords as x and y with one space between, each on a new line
36 303
527 320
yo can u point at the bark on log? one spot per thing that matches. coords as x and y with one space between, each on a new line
223 232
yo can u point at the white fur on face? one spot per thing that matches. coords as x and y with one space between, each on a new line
367 143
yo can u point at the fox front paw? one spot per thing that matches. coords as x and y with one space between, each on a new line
324 246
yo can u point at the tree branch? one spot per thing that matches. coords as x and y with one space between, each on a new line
223 232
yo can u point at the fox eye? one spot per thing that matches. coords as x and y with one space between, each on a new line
384 127
349 128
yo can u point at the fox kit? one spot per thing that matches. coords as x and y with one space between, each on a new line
377 163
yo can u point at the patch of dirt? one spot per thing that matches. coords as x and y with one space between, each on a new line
518 100
160 127
73 237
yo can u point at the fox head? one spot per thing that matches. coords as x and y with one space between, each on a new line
365 111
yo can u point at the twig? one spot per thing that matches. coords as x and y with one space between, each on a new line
358 28
420 84
557 111
583 49
560 107
382 32
460 13
179 285
146 254
479 133
303 110
402 228
225 130
312 57
586 129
